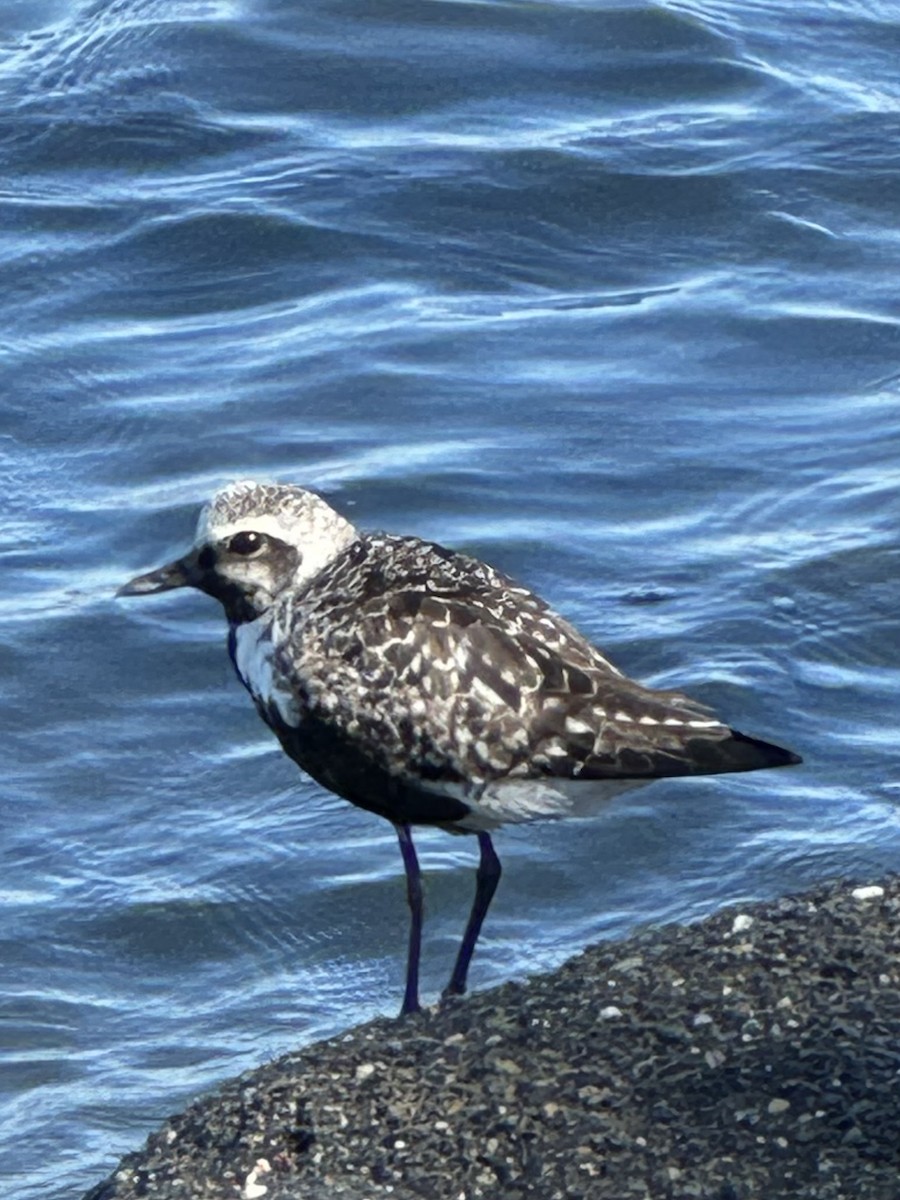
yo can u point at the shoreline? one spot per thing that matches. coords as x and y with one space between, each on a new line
755 1053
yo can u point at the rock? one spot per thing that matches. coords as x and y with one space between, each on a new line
548 1089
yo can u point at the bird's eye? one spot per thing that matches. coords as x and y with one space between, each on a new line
246 543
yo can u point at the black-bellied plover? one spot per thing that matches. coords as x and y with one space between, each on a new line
427 687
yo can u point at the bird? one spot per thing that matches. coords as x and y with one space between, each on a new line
423 685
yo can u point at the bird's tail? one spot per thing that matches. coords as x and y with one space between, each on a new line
739 752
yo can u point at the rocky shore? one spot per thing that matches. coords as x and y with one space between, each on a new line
751 1056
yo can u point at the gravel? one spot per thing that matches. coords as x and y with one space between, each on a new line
755 1054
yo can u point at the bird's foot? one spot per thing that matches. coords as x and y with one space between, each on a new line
410 1005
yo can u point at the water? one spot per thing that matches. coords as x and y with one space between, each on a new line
606 294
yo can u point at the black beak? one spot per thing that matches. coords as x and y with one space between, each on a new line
180 573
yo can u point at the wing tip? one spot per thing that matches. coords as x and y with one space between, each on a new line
761 754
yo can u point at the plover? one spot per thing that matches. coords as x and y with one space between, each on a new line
427 687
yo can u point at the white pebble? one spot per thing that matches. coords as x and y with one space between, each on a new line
364 1071
610 1013
874 892
779 1105
742 922
252 1189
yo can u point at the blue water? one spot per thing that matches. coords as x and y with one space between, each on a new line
605 294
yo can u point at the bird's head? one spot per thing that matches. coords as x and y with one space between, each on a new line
253 540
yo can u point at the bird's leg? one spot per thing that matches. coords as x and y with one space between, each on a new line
486 879
414 896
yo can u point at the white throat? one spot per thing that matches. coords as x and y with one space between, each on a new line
254 658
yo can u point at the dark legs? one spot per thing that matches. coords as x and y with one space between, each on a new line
414 896
486 879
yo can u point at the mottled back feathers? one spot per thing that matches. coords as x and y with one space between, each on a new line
440 668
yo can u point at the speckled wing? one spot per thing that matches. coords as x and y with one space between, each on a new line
441 670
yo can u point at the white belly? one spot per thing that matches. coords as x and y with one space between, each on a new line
517 800
512 801
255 662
